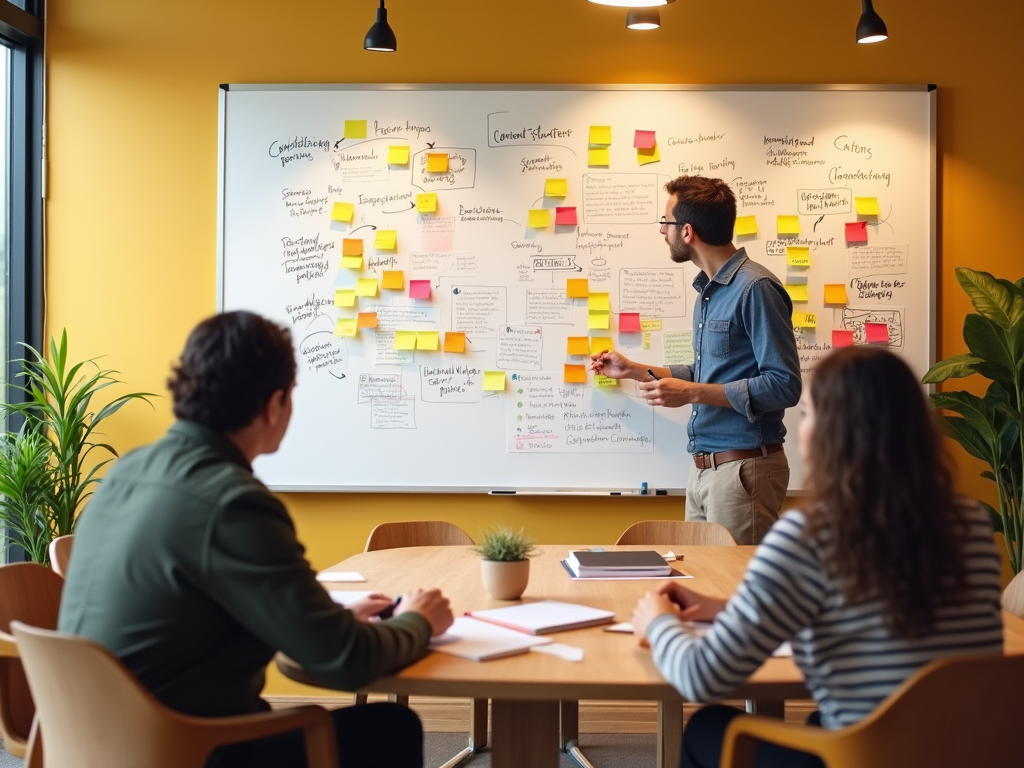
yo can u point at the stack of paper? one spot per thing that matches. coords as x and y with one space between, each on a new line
586 564
544 616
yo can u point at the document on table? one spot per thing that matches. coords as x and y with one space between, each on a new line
543 616
480 641
340 576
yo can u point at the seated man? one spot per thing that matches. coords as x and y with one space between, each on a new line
188 569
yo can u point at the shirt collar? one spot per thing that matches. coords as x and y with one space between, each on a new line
218 441
726 273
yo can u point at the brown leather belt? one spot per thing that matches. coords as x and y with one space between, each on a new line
712 460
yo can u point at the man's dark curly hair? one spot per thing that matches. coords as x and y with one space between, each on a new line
232 364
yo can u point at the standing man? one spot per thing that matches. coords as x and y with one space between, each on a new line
188 569
745 374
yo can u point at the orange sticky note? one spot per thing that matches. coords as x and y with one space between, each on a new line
455 341
577 288
577 345
437 162
393 279
629 322
599 344
876 333
565 214
842 338
419 289
835 293
367 320
575 374
351 246
342 212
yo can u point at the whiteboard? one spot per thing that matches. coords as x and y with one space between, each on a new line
372 415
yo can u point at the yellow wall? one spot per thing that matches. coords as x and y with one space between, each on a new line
132 108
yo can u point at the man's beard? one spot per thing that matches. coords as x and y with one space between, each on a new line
681 253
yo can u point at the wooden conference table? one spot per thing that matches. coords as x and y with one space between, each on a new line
525 690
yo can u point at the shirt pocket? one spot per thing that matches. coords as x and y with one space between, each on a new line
717 337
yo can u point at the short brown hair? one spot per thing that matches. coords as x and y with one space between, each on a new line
707 205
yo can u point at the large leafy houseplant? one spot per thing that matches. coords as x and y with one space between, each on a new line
46 474
990 428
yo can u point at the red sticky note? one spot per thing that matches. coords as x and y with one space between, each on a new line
876 333
629 322
575 374
643 140
419 289
565 214
842 338
856 232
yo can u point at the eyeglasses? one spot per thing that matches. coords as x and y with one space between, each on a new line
665 223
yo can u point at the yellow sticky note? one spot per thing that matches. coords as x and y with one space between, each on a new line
575 374
577 288
797 291
393 280
455 341
437 162
599 302
652 155
355 129
599 344
426 203
344 297
805 320
746 225
798 256
577 345
601 135
788 225
598 321
494 381
866 206
346 326
539 218
556 187
427 340
605 382
367 320
835 293
651 325
398 155
342 212
386 240
367 286
405 339
351 262
351 246
599 156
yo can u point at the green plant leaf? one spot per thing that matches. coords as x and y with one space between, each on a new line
987 340
969 438
955 367
997 519
991 299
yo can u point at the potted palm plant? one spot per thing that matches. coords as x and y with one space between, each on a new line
505 568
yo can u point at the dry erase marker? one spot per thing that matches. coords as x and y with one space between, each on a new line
651 374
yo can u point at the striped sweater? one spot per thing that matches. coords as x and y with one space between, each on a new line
849 659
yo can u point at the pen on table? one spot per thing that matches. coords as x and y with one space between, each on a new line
388 612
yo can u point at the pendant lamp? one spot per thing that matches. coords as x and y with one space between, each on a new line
381 37
870 28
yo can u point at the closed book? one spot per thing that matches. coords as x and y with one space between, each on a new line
585 563
544 616
480 641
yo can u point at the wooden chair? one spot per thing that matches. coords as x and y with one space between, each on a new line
677 532
60 554
29 593
956 711
103 717
1013 596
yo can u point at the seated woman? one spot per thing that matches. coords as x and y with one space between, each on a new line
885 571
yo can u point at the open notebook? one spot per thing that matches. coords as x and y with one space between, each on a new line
480 641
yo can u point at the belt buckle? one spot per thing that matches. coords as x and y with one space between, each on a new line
704 460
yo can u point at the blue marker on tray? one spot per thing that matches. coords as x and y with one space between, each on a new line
643 489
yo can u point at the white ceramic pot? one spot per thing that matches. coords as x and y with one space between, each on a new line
505 581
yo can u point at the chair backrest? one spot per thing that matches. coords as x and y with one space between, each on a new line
677 532
60 553
416 533
1013 596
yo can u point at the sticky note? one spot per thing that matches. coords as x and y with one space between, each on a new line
603 382
344 297
876 333
398 155
386 240
351 246
342 212
856 232
842 338
427 340
805 320
599 302
598 321
494 381
556 187
645 156
419 289
426 203
575 374
565 214
538 218
798 256
437 162
393 280
866 206
600 135
455 341
351 262
367 320
405 339
599 156
577 345
797 291
599 344
746 225
651 325
644 139
367 286
355 129
788 225
835 293
346 326
577 288
629 322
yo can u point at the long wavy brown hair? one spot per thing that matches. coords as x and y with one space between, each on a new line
882 486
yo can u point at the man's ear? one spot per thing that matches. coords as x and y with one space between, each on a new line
274 406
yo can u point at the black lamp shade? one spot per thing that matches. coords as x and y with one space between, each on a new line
381 37
870 28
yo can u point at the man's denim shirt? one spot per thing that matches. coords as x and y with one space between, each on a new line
742 338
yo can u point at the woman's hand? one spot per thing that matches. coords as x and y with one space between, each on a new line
367 607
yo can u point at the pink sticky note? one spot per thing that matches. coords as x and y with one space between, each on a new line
565 214
419 289
876 333
643 140
842 338
856 232
629 322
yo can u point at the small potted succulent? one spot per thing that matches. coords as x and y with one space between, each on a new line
505 569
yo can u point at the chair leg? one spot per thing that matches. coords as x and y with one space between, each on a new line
361 698
478 724
398 699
